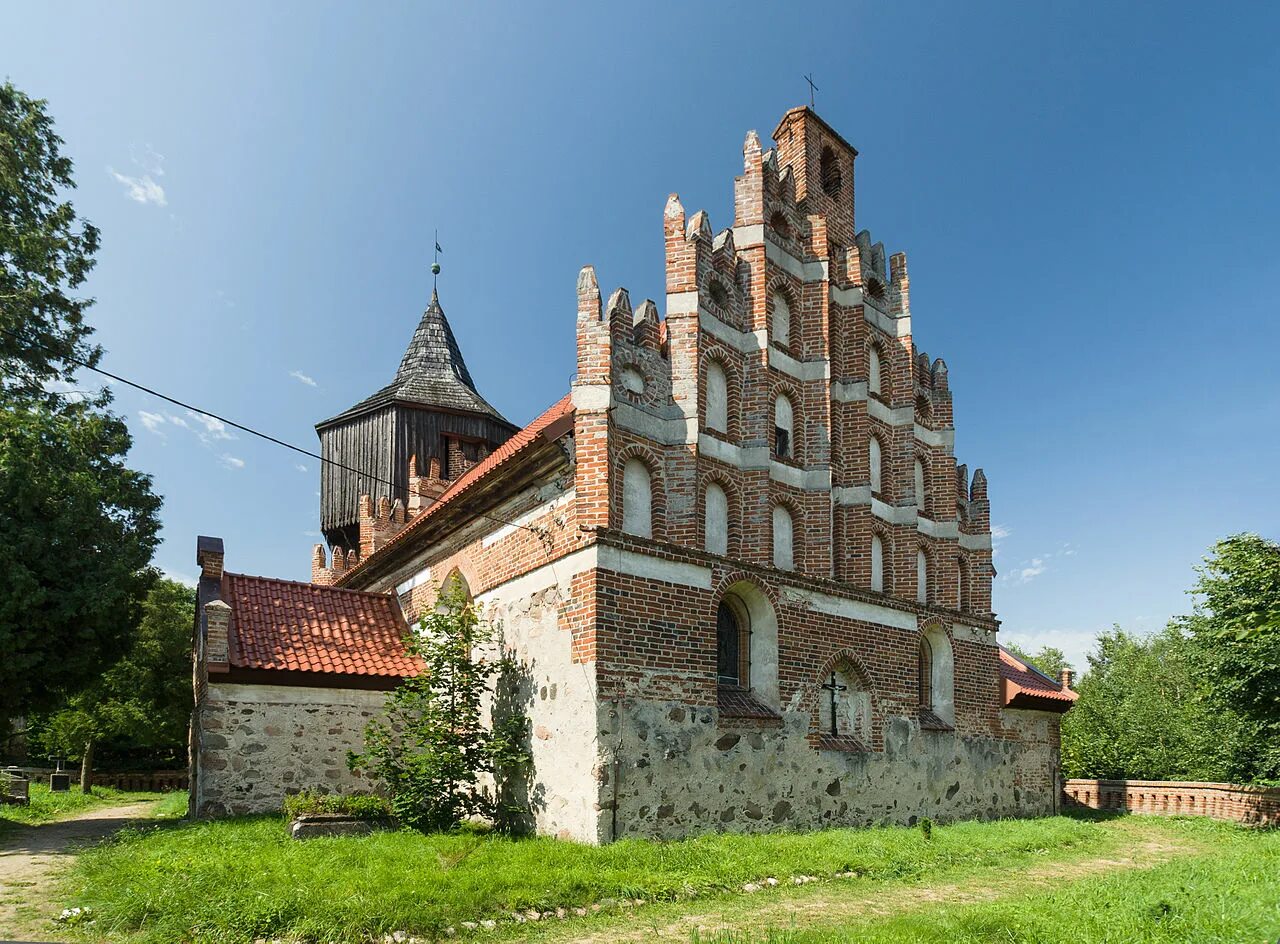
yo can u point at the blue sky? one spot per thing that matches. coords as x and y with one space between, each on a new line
1087 194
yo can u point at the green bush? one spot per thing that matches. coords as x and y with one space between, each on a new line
358 805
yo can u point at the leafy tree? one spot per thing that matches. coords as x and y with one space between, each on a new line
45 253
1237 622
1145 711
431 745
80 527
1050 659
144 699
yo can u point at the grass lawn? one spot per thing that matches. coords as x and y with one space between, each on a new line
242 879
1228 894
47 806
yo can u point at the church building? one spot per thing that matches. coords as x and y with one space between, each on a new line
745 581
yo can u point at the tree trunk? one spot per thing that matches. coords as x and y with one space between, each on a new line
86 768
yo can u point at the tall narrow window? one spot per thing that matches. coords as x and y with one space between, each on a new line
877 563
783 423
922 577
925 673
781 322
637 499
962 571
732 665
829 171
783 539
921 498
877 479
873 373
717 398
716 519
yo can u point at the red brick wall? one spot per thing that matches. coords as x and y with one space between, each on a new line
1256 806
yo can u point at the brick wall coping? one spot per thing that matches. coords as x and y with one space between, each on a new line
1177 784
1240 803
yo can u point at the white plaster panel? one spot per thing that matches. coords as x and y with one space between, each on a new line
849 392
800 370
682 303
811 480
899 416
653 568
592 397
850 609
975 542
747 237
894 514
670 431
744 341
545 508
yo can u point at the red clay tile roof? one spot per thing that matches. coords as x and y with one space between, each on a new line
301 627
1024 684
561 409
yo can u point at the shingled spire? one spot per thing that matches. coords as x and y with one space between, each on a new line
430 410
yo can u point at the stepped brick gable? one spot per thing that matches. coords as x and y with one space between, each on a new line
746 582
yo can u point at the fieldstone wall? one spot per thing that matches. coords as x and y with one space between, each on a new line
255 744
681 772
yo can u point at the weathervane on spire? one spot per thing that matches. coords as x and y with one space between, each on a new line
435 262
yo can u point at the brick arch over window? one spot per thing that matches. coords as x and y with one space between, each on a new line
792 393
657 489
761 610
785 504
733 514
845 662
779 287
732 426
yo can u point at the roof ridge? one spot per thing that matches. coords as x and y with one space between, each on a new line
311 586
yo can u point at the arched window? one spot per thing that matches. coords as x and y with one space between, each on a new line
715 517
717 398
873 372
781 321
717 293
921 497
877 471
877 563
783 539
637 499
778 223
783 428
733 644
829 171
924 668
922 577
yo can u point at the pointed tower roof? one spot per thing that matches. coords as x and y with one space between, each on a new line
432 373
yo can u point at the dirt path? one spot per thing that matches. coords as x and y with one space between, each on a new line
31 855
828 903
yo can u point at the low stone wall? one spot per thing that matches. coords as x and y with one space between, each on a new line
1259 806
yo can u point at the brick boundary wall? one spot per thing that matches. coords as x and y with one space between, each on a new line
1255 806
151 780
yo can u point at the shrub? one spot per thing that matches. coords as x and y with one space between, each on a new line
358 805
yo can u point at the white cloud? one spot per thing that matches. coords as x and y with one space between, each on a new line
152 421
999 532
300 467
185 579
302 378
1032 570
231 462
143 188
212 428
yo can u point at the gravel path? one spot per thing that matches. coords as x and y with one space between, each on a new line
30 855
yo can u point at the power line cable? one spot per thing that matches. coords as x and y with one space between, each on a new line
240 426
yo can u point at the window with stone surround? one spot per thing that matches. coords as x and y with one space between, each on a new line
637 499
783 428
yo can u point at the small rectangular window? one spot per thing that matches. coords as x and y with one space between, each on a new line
782 441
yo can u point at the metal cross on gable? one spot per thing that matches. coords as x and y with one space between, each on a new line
812 88
834 687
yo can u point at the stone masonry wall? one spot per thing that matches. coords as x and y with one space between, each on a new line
681 772
258 743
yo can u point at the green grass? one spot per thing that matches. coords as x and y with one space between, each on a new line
237 880
47 806
1230 894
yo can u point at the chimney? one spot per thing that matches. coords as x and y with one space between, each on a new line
1067 678
209 557
217 615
